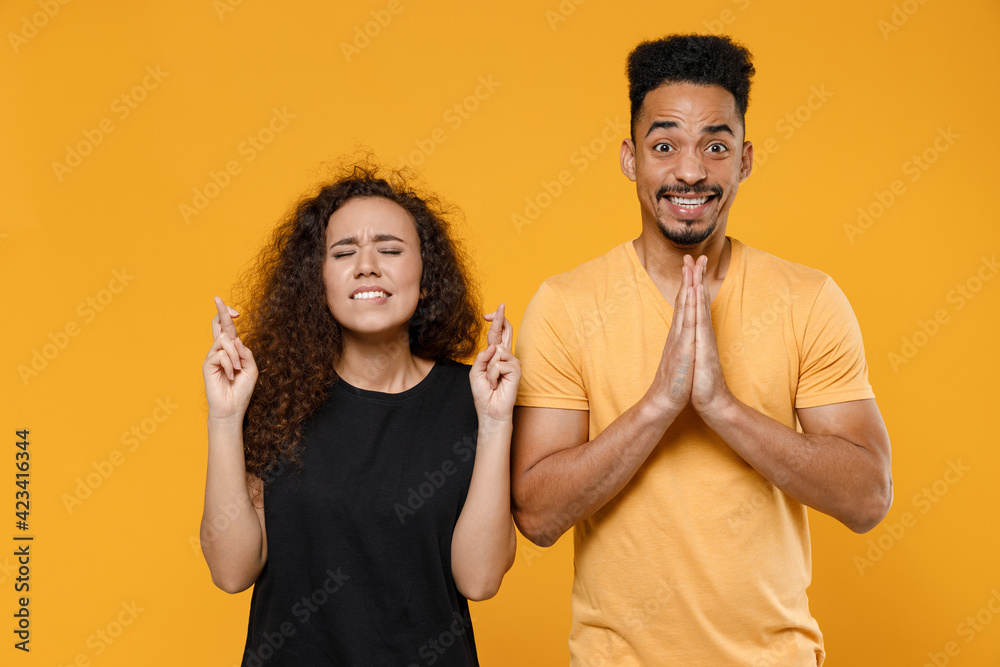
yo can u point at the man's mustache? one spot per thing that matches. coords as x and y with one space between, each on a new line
688 190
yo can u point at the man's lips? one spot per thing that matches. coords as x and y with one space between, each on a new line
690 204
688 201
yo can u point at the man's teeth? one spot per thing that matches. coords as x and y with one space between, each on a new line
688 201
369 295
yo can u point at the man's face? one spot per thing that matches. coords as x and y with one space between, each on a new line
687 160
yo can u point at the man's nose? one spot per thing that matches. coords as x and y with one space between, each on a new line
690 168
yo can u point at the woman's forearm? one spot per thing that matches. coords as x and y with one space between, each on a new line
232 534
484 543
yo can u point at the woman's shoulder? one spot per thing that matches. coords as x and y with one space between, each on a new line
453 378
453 366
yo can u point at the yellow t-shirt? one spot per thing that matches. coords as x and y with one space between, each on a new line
699 560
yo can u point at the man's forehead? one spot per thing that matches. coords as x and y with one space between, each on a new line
705 104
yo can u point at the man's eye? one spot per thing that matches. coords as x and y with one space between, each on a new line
718 148
662 147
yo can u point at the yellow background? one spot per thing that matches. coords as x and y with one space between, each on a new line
892 76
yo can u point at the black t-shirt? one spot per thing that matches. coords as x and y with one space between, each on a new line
358 565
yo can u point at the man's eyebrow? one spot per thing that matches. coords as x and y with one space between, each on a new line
722 127
350 240
708 129
661 124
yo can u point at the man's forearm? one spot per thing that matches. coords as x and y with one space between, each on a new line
826 472
570 485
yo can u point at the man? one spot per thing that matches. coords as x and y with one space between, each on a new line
661 395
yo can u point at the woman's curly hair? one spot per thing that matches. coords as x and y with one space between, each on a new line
294 338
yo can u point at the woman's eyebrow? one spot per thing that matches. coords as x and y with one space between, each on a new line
350 240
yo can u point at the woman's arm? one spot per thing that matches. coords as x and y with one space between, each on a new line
233 538
484 543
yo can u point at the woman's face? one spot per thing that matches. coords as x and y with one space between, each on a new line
372 267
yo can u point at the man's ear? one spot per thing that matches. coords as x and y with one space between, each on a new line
627 159
746 161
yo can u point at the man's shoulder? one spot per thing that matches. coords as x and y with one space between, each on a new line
771 269
592 275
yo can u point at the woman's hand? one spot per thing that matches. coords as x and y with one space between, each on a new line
229 369
496 372
484 543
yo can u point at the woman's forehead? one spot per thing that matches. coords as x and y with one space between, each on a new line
367 218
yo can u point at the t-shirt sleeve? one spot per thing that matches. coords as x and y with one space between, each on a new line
832 366
549 352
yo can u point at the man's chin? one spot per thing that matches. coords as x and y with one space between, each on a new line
687 237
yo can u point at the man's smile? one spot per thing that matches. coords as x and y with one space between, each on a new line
689 205
690 202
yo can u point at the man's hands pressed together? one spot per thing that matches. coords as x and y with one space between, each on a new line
690 370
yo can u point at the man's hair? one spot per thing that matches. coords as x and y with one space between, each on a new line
699 59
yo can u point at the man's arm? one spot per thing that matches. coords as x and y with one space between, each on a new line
839 465
559 477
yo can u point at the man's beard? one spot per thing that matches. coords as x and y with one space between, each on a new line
689 236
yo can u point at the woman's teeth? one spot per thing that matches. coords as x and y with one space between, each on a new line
369 295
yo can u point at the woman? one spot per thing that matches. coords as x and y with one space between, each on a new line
357 474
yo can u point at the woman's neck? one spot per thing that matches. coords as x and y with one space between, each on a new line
385 365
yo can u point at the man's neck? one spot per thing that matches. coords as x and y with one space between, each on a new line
663 260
